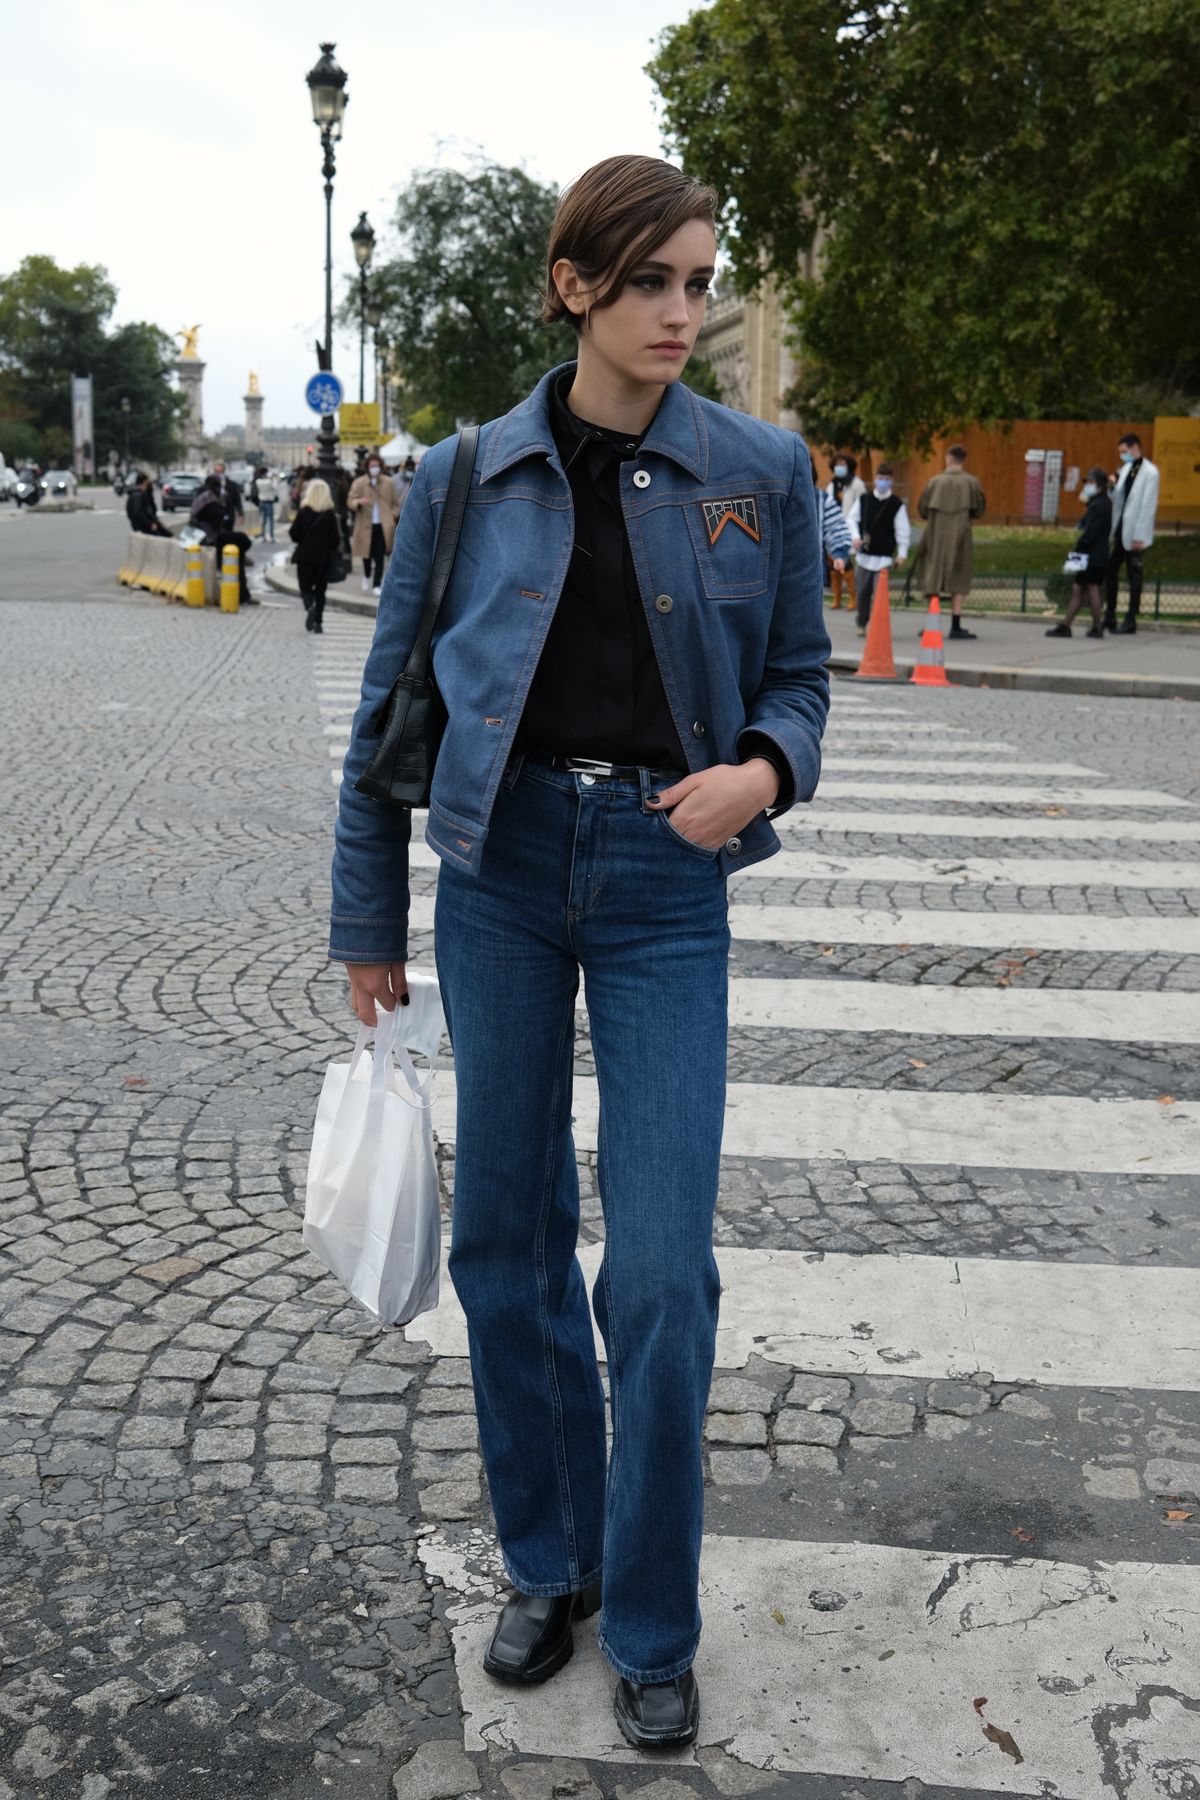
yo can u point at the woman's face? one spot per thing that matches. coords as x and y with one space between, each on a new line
647 334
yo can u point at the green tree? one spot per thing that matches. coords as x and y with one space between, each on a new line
461 297
999 193
54 324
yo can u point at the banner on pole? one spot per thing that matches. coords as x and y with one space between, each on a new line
358 423
82 430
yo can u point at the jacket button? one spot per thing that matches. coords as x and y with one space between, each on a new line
699 728
733 845
641 478
664 603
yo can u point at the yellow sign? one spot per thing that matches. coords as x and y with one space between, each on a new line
1177 453
359 423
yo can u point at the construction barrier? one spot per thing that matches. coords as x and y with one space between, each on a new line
878 663
229 578
162 565
929 670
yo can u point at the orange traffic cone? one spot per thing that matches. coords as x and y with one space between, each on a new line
929 670
878 663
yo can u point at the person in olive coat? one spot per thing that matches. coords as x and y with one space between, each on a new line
314 531
1092 542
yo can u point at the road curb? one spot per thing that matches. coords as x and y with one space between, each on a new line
1046 681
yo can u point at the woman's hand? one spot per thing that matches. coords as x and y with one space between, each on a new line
714 804
371 982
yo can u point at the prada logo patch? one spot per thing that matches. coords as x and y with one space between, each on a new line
742 512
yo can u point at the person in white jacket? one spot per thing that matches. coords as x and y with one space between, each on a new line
1134 503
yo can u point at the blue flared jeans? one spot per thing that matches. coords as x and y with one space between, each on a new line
583 876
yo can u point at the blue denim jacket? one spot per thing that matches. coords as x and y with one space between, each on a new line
722 520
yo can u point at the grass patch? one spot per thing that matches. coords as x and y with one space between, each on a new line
1039 550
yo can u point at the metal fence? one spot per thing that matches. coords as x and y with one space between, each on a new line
1038 594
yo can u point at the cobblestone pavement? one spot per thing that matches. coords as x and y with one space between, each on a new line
246 1545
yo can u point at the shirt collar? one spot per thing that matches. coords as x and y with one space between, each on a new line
678 432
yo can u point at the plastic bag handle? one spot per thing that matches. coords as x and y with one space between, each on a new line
390 1047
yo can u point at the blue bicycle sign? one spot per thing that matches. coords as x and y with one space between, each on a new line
323 393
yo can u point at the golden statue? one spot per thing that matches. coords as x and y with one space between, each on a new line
252 386
189 353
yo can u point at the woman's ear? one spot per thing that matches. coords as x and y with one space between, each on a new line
571 290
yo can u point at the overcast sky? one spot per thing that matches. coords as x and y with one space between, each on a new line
176 146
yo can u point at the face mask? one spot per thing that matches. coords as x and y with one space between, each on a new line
373 472
1087 490
840 470
1126 456
883 484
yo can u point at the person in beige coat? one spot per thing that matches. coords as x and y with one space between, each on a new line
950 504
373 506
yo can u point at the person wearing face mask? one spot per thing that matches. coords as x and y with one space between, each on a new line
373 507
1092 542
950 503
1134 504
847 489
880 531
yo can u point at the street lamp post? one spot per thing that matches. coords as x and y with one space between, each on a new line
374 319
363 239
327 88
126 409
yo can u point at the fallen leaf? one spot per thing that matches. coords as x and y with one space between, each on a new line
1004 982
1006 1741
1166 1099
1019 1531
884 1654
980 1703
135 1081
828 950
916 1063
777 1616
1177 1515
1054 812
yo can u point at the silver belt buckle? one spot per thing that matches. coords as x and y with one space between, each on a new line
586 765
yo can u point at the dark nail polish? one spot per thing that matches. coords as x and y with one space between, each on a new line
404 999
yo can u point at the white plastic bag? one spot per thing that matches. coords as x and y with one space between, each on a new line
371 1203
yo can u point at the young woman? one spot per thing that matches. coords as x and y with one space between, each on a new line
1092 542
631 652
374 508
846 488
314 531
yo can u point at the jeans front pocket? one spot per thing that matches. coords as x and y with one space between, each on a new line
700 850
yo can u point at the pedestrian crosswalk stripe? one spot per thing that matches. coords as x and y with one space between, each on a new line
1066 1324
864 1125
1016 871
817 820
884 1682
847 741
946 789
954 929
862 762
1105 1015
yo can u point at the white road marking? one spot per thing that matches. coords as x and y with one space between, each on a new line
814 820
1000 793
863 1125
883 1685
958 767
1105 1015
1016 871
961 930
934 1317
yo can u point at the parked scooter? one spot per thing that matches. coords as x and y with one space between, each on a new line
28 490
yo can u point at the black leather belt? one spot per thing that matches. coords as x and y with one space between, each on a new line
603 771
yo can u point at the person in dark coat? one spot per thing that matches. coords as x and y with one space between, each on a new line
1092 542
208 515
141 511
315 534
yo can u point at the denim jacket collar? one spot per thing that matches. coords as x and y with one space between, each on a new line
678 431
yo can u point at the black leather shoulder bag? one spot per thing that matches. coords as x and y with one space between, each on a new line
413 717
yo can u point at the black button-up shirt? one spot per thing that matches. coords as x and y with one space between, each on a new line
597 690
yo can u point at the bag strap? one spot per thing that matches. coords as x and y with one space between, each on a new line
447 545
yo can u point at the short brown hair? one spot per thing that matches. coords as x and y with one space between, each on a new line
613 216
958 452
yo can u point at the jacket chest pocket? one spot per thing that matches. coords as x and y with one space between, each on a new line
729 536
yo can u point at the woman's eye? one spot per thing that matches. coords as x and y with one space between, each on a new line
647 281
699 287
